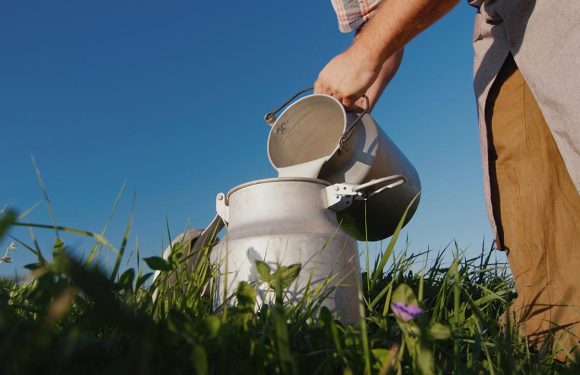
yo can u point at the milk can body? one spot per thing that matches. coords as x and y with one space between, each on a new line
370 154
283 222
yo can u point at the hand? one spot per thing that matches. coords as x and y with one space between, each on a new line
347 77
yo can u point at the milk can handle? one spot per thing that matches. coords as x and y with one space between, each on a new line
341 196
348 132
397 180
270 117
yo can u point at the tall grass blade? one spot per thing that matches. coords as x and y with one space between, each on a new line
96 249
122 249
81 232
379 269
46 198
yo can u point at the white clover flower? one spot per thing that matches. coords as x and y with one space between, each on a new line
5 258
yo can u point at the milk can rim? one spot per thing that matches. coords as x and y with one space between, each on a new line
295 103
278 179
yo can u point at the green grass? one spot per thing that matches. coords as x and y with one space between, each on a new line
73 316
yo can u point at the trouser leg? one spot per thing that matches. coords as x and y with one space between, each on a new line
537 208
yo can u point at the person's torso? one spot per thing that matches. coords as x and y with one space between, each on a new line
544 38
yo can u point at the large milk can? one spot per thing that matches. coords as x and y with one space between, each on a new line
285 221
315 137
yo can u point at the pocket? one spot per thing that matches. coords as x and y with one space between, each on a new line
512 219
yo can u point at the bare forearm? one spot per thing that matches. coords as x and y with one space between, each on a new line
388 71
395 24
354 72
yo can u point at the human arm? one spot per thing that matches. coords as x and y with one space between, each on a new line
386 73
352 73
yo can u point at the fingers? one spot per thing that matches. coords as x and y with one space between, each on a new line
358 105
318 87
350 103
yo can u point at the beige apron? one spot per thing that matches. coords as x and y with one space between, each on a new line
544 38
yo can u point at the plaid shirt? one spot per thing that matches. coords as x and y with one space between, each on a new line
352 14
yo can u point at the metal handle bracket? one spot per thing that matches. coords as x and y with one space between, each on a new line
341 196
221 207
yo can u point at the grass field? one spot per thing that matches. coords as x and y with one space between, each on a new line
73 316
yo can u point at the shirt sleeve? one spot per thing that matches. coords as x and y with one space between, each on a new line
351 14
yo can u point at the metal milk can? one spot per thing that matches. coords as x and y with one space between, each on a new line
284 221
315 137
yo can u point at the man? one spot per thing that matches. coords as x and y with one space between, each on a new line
527 84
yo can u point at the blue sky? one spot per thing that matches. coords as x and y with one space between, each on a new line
169 98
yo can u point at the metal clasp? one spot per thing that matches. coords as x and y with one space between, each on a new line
341 196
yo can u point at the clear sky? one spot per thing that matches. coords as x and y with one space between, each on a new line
169 97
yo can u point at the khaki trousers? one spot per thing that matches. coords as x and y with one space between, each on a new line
537 208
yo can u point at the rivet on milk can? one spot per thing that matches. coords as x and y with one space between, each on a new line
315 137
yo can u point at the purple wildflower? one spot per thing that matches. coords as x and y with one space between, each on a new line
406 312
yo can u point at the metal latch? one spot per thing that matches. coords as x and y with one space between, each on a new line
341 196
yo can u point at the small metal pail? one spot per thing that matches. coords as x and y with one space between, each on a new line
315 137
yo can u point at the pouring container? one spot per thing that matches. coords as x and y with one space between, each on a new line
285 221
315 137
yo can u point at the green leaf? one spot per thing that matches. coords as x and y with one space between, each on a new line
57 248
404 294
158 264
380 353
246 296
424 360
142 279
282 341
384 359
60 259
126 279
285 276
33 266
263 271
200 360
438 331
212 324
290 273
325 316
